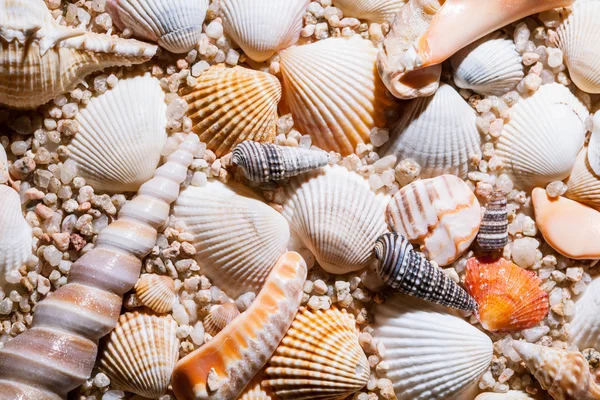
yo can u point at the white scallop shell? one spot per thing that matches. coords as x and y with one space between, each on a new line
583 184
432 353
489 66
156 292
121 134
593 154
337 217
15 233
540 143
584 327
238 238
3 166
438 132
371 10
263 27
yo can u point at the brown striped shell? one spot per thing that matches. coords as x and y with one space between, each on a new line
156 292
493 232
219 317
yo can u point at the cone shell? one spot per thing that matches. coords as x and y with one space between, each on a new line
540 143
509 297
584 326
343 72
493 232
230 105
438 132
432 352
337 217
141 353
379 11
219 317
156 292
583 184
441 214
15 233
319 358
510 395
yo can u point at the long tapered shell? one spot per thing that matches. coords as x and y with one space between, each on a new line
230 105
493 232
371 10
583 184
156 292
540 143
336 216
432 352
219 317
121 134
15 233
584 326
343 72
438 132
319 358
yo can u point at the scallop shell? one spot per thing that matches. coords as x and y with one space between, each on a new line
493 232
540 143
141 353
156 292
336 216
263 27
4 177
230 105
509 297
254 390
441 214
490 66
219 317
238 238
379 11
175 25
510 395
121 135
432 353
319 358
593 154
342 71
584 326
438 132
583 184
15 233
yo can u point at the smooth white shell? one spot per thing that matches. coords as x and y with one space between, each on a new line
371 10
510 395
15 233
584 328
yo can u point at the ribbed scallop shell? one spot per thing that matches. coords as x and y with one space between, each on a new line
254 390
238 238
489 66
336 216
583 184
334 92
141 353
156 292
593 155
438 132
371 10
584 327
121 134
219 317
432 353
319 358
540 143
15 233
230 105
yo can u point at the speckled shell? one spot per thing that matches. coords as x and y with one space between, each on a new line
493 232
15 233
319 358
584 325
219 317
230 105
121 135
342 71
371 10
336 216
583 185
441 214
432 352
510 395
438 132
156 292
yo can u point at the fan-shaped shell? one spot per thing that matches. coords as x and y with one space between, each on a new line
510 395
156 292
3 166
15 233
219 317
334 92
141 353
230 105
540 143
121 134
438 132
238 238
319 358
583 184
254 390
432 353
336 216
593 154
379 11
584 327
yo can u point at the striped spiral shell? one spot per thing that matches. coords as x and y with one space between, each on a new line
493 231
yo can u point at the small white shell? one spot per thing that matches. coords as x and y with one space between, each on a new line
593 154
584 327
219 317
371 10
15 233
583 184
156 292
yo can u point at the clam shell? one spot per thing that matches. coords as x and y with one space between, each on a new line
141 353
230 105
4 177
156 292
540 143
15 233
342 71
318 358
432 353
510 395
594 145
583 184
584 326
438 132
379 11
493 232
254 390
219 317
121 134
336 216
441 214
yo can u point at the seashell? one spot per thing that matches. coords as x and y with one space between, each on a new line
593 154
318 358
230 105
509 297
337 217
441 214
584 326
237 237
121 135
378 11
540 143
343 72
565 375
493 232
490 66
156 292
432 352
4 176
254 390
15 233
265 27
175 25
219 317
583 185
270 162
224 366
510 395
438 132
409 272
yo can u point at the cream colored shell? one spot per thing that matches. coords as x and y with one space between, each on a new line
379 11
156 292
510 395
15 233
584 325
219 317
583 185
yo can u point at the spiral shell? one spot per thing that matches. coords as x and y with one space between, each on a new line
493 232
219 317
156 292
15 233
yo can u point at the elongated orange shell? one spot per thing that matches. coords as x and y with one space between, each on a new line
509 297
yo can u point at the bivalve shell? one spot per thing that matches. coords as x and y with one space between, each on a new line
219 317
583 184
594 145
15 233
4 177
156 292
584 326
379 11
254 390
510 395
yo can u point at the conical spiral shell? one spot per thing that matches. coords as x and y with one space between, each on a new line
493 232
379 11
15 233
219 317
584 326
156 292
583 185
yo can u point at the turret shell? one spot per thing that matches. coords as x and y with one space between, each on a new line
493 232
